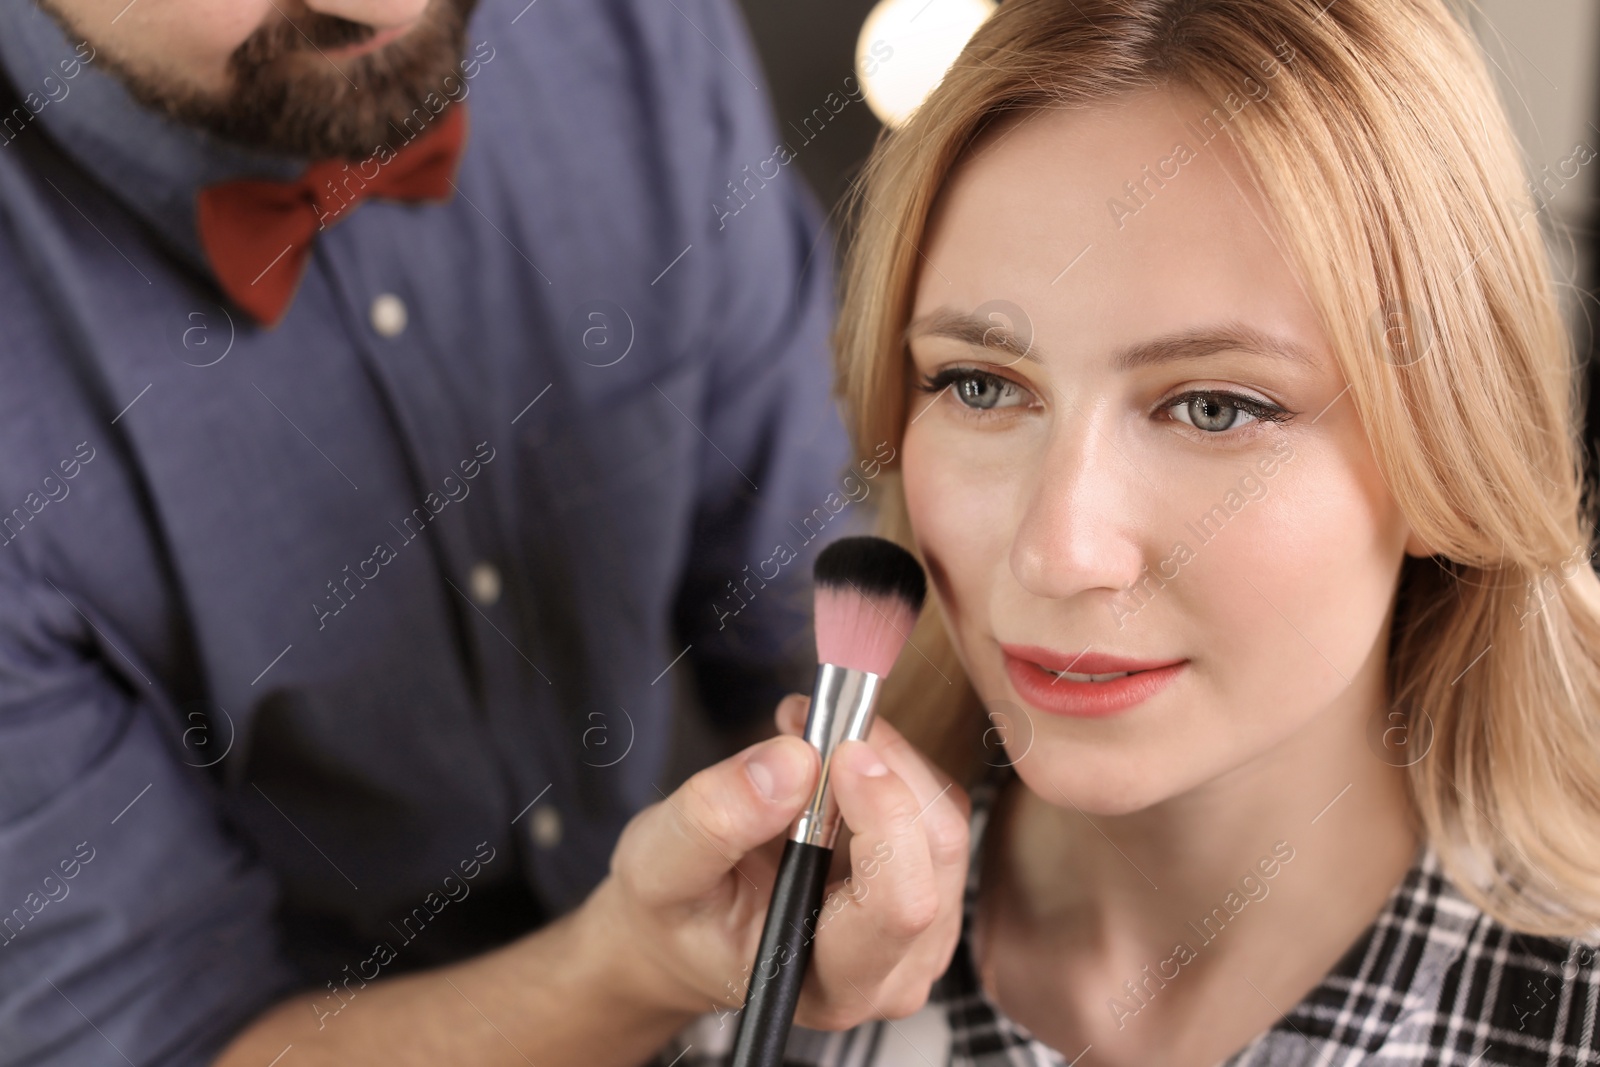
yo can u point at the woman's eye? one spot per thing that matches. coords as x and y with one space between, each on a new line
976 389
1217 413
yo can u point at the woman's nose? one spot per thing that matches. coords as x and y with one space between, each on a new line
1078 526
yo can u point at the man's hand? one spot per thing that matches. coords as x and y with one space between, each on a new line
673 930
691 879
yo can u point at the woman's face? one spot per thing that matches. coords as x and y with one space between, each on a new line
1129 441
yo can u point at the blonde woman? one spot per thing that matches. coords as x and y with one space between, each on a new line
1219 343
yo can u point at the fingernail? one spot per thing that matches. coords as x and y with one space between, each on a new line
787 719
866 762
775 773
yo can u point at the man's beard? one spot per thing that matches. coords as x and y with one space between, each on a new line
285 97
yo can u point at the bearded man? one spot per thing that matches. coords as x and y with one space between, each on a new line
385 409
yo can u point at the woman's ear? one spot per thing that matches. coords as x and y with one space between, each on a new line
1416 546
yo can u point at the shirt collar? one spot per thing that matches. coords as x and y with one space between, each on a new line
153 164
1397 964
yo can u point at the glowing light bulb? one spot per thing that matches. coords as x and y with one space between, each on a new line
906 46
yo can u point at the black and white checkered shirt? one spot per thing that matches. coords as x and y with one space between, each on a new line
1433 980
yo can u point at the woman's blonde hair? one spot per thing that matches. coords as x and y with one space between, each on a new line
1383 148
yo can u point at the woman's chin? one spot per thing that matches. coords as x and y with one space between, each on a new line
1095 786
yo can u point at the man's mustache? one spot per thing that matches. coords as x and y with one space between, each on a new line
304 32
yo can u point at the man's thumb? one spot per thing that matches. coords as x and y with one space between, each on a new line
682 847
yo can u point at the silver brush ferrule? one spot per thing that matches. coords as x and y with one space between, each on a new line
842 703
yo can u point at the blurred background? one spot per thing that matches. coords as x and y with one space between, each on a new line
1543 52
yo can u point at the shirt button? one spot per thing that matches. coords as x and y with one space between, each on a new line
544 826
484 581
388 315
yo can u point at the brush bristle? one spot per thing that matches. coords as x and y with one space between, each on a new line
869 592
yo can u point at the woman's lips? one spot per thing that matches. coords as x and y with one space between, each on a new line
1031 670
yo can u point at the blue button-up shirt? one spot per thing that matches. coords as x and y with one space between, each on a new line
347 647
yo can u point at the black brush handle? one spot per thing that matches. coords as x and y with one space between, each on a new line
780 966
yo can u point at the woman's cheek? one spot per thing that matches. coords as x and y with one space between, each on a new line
959 494
925 477
1309 589
1351 548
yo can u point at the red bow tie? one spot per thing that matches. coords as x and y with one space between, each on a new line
257 233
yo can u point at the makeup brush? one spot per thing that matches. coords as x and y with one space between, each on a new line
868 594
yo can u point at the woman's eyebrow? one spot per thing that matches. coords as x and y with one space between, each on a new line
1203 341
1195 343
993 333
